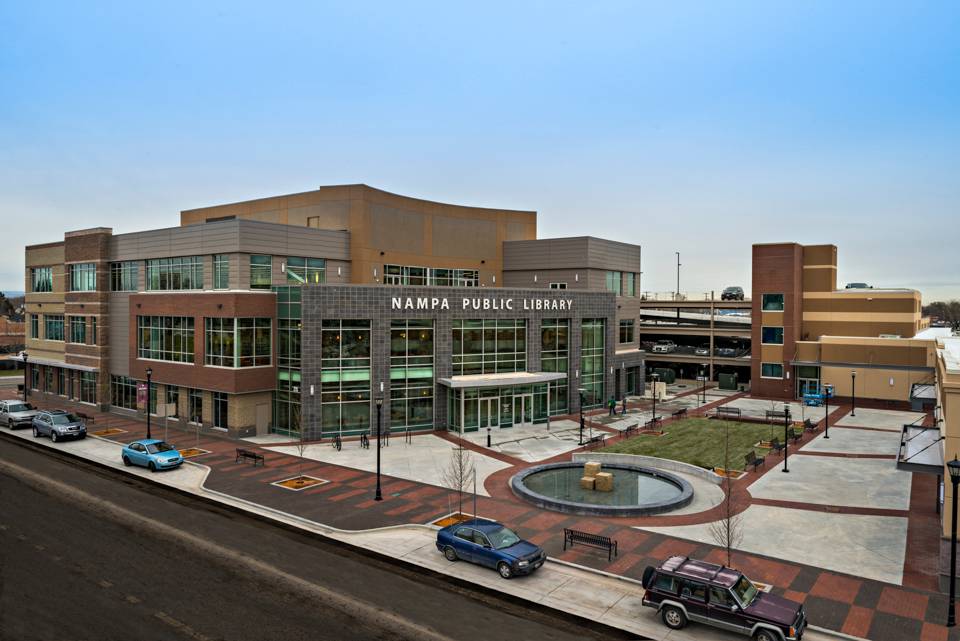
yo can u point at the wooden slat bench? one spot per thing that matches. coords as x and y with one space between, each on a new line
245 455
572 537
776 416
776 445
727 412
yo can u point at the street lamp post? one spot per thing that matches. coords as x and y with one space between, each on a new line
853 392
954 468
786 435
25 386
149 374
653 419
678 285
582 391
827 390
379 494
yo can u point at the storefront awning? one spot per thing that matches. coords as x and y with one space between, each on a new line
33 360
501 380
921 450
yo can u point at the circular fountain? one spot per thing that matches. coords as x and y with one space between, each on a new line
636 491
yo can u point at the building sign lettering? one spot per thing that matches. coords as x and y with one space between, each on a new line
478 304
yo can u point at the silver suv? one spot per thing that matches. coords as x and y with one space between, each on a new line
16 414
58 424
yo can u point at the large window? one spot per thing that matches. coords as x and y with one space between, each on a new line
489 346
123 276
345 376
592 348
303 271
771 335
772 302
555 357
173 400
184 272
626 331
61 381
771 370
165 338
123 392
411 373
34 325
221 271
238 342
195 406
261 271
41 279
78 329
83 277
286 398
629 284
220 410
88 387
53 327
434 276
613 282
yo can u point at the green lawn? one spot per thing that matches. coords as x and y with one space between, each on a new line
699 441
11 372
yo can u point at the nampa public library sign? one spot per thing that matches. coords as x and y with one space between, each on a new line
485 303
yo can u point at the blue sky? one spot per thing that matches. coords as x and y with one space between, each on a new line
698 127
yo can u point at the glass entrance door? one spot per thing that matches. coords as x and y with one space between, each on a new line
807 386
523 409
489 412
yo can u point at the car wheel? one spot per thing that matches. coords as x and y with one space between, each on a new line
673 617
504 569
450 554
53 436
126 460
36 433
152 466
765 635
10 424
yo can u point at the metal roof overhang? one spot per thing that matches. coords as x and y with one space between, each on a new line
45 361
501 380
921 450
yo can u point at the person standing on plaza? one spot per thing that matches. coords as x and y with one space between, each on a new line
612 404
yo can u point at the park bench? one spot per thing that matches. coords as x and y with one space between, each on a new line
809 425
680 413
86 417
727 412
593 540
244 455
776 416
595 441
751 458
794 435
776 446
629 429
655 424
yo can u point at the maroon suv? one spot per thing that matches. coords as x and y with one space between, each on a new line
684 589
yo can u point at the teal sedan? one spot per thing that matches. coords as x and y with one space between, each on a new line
152 454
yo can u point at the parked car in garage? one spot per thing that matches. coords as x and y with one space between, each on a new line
16 414
702 350
684 589
726 352
152 454
732 293
58 425
491 544
664 347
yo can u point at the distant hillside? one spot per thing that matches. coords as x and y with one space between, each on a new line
11 293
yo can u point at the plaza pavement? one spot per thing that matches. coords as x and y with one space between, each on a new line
848 603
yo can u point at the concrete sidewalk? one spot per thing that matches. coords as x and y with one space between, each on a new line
585 592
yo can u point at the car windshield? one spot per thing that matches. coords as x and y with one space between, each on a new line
503 538
745 591
18 407
63 419
153 448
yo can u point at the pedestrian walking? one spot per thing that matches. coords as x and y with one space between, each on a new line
623 412
612 404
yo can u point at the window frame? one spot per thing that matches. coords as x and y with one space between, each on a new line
770 364
121 273
630 325
265 267
42 275
82 277
763 330
763 303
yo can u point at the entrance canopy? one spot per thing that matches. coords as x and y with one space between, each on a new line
921 450
501 380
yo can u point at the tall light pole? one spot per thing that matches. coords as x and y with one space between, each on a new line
25 386
582 391
786 436
827 391
655 377
954 468
853 391
379 494
149 374
677 298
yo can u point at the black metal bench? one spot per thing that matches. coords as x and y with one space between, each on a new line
572 537
245 455
776 446
680 413
794 435
595 441
751 458
809 425
727 412
629 429
655 424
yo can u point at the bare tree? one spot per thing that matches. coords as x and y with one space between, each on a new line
458 473
302 447
728 531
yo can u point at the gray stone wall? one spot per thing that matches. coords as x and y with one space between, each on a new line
377 303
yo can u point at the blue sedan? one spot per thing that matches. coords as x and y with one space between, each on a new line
152 454
491 544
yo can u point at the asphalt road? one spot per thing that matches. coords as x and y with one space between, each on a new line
87 554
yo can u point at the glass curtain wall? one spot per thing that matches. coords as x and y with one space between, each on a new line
555 357
261 271
123 276
303 271
286 398
489 346
411 374
167 274
88 387
592 350
123 392
165 338
221 271
344 377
